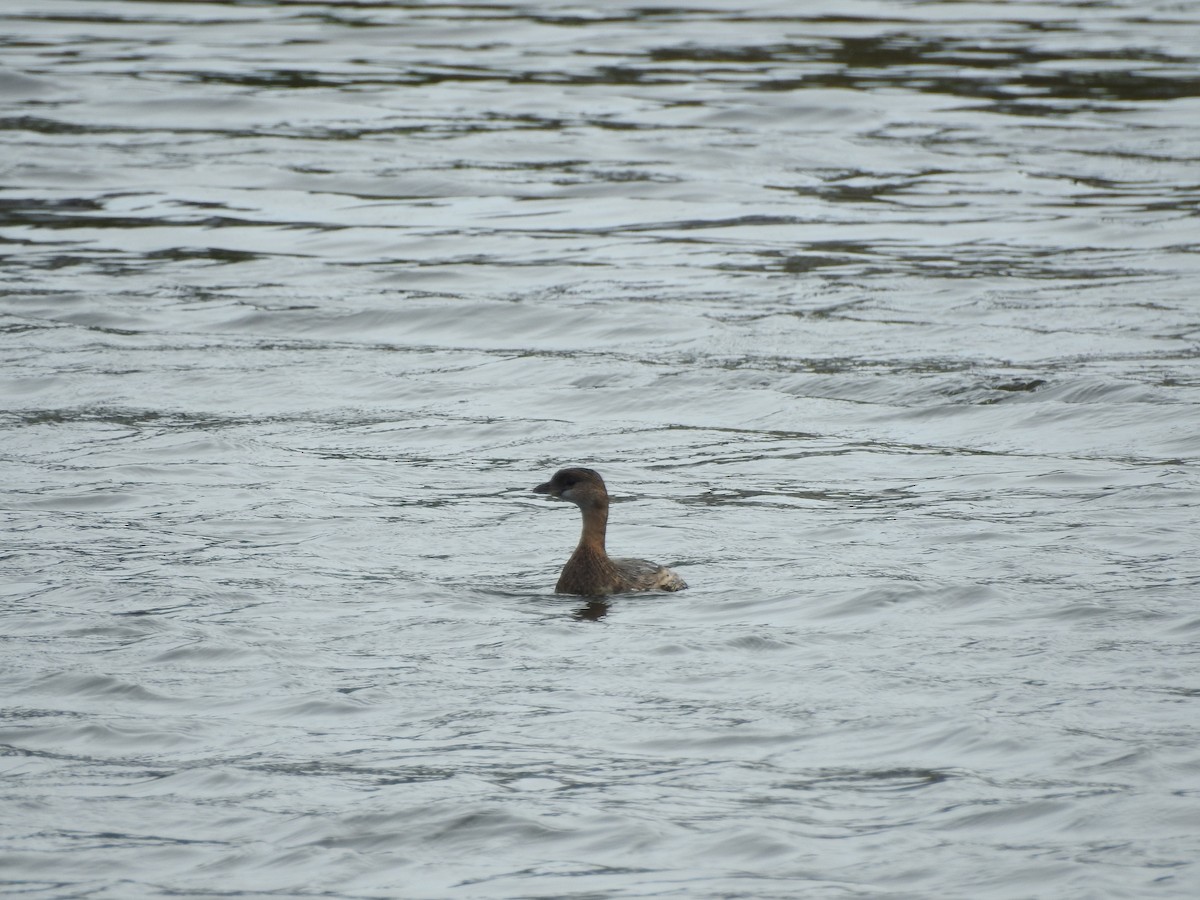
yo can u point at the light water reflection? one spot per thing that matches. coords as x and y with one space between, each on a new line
881 316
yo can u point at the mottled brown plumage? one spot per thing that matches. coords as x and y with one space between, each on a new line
590 571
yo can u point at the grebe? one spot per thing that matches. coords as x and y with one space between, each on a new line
590 571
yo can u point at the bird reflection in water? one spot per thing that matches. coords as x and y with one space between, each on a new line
594 610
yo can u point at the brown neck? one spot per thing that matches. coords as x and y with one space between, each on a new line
595 522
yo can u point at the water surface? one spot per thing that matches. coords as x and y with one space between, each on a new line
878 318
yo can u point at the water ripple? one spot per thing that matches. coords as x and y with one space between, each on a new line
880 324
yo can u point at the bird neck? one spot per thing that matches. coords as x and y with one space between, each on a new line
595 524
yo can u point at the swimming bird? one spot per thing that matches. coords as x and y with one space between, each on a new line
590 571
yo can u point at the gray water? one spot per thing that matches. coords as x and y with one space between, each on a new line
880 320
